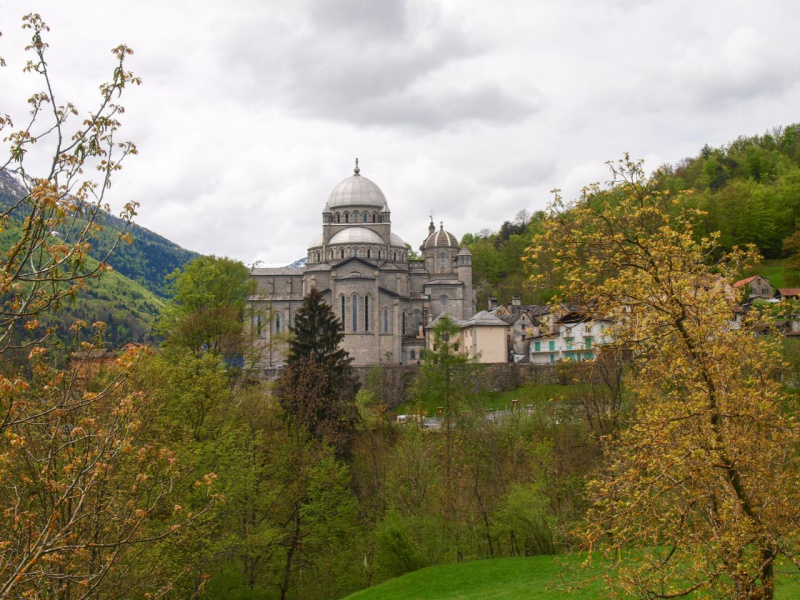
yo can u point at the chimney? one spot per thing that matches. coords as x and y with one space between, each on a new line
516 301
492 302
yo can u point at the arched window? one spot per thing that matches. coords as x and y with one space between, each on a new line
346 217
258 324
417 321
413 355
338 217
374 217
385 320
395 257
442 260
318 255
366 311
277 322
366 217
331 254
343 311
354 307
379 254
403 330
341 253
355 252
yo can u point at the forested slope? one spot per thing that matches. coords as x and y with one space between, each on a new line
749 190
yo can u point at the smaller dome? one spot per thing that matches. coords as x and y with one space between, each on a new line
317 242
356 235
396 241
440 239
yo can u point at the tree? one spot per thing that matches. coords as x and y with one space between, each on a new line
319 385
207 309
699 491
54 221
84 489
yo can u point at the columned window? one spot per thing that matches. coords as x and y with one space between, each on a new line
354 307
366 312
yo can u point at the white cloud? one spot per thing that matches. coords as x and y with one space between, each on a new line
251 112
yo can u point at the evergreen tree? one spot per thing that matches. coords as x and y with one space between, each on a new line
319 385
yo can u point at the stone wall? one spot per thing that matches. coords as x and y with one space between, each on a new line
396 380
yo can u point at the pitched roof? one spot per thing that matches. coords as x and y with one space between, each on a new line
278 271
742 282
484 319
789 291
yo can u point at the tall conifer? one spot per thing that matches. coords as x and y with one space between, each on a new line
319 385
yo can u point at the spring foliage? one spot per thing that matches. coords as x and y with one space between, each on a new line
700 490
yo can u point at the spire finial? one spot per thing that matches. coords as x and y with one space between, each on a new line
357 171
441 225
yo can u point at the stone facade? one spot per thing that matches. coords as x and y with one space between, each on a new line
383 299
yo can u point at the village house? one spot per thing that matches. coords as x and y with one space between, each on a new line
482 337
568 334
759 287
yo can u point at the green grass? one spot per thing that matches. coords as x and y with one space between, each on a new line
504 579
779 275
529 394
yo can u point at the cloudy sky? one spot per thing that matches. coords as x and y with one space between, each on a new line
251 111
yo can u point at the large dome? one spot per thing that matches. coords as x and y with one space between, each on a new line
356 191
356 235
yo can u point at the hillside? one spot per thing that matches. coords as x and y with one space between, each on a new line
533 578
148 260
749 190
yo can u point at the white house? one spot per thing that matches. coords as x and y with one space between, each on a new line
572 336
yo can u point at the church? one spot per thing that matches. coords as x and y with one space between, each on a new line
383 298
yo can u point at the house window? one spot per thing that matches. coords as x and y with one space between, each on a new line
344 312
569 343
552 358
588 342
537 346
385 320
354 307
413 355
551 345
366 311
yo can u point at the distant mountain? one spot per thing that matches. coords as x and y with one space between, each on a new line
147 261
300 262
129 298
